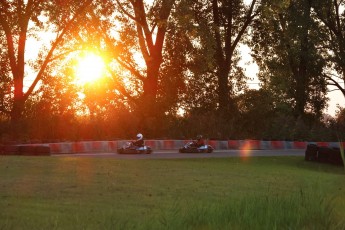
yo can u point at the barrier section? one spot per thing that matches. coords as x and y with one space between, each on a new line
151 143
65 147
159 144
10 150
334 144
79 147
26 150
299 145
99 146
220 145
42 150
265 145
89 145
34 150
223 145
112 146
233 144
278 145
121 143
322 144
179 144
168 144
289 144
213 144
250 144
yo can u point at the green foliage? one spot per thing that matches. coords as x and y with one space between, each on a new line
287 54
331 17
215 76
195 67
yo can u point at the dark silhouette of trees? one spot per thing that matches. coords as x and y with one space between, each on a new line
170 56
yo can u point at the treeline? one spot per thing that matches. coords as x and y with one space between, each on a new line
252 122
172 69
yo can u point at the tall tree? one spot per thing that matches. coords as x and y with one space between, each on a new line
21 20
151 28
219 28
331 14
286 50
230 21
136 53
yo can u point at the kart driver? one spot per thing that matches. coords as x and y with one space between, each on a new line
140 140
199 141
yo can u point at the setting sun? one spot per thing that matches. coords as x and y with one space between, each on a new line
89 68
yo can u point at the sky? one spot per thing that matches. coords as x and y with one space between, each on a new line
336 98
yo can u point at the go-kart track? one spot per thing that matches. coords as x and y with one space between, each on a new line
169 149
165 149
174 154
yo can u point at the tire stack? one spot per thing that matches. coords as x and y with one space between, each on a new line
311 153
25 150
323 154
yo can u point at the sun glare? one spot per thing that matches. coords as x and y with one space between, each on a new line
89 68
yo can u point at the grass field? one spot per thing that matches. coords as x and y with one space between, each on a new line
229 193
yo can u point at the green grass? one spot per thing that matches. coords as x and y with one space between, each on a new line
230 193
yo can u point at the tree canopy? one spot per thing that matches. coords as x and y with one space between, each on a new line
171 68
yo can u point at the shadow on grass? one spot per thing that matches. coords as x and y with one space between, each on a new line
321 167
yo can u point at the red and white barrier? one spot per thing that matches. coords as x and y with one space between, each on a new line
83 147
111 146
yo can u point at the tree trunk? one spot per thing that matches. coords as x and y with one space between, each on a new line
147 106
302 71
151 47
223 89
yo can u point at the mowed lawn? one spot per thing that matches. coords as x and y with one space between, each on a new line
228 193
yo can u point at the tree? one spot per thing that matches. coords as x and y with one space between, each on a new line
331 15
229 24
286 51
222 26
257 112
136 54
151 28
22 20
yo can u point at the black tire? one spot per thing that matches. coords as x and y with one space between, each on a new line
324 154
311 153
335 157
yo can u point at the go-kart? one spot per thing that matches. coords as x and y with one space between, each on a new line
190 147
129 148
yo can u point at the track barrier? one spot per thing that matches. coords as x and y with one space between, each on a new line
111 146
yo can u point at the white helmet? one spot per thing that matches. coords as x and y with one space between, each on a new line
140 136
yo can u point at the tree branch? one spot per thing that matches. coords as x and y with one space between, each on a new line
54 46
9 40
